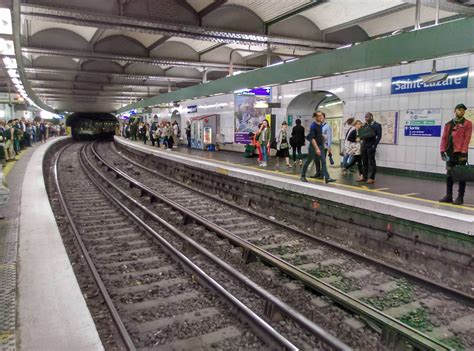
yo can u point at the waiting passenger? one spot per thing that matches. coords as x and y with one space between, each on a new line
316 151
454 151
9 137
176 133
370 135
152 130
283 146
188 133
352 149
297 141
263 138
327 134
348 128
169 136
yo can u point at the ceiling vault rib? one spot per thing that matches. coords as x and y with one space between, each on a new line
169 29
128 58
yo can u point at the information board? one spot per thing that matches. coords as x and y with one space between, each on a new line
389 122
422 123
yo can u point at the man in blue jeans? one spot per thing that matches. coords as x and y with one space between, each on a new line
316 150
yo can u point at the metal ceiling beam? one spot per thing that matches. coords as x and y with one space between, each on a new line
443 40
158 43
136 76
374 15
98 84
82 18
100 92
127 58
210 8
294 12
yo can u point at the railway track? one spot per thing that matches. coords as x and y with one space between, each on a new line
158 296
404 308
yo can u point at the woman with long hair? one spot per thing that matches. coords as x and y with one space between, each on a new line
264 141
283 146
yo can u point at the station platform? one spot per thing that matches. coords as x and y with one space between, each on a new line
408 198
41 304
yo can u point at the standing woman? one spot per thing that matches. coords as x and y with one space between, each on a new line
264 141
352 149
348 128
297 141
257 144
283 147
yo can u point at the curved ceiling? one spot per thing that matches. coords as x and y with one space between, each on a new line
89 55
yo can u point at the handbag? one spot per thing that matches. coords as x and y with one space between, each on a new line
463 173
366 132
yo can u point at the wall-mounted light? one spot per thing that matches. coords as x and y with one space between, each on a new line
5 21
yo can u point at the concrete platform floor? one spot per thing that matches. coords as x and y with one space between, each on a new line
402 188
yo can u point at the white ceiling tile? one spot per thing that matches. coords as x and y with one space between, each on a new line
335 12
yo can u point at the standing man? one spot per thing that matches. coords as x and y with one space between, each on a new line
316 150
454 150
188 133
327 134
370 135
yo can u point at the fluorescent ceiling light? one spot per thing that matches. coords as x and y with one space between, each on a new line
10 62
7 47
16 81
13 73
5 21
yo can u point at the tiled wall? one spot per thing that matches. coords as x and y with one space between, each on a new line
369 91
365 92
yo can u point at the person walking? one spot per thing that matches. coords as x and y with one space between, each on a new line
297 141
348 128
352 149
454 150
283 147
370 134
327 134
263 139
316 150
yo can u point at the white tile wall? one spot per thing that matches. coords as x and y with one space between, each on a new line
370 91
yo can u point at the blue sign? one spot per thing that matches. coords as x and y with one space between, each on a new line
457 79
192 109
257 91
423 131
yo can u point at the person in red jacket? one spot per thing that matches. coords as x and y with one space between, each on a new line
454 150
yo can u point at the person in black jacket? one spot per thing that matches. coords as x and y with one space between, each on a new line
369 148
297 140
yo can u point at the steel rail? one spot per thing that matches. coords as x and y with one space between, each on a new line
261 328
389 325
425 281
397 271
100 284
268 297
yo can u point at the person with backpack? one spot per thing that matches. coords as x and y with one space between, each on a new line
454 150
283 147
348 128
297 141
352 149
370 134
316 150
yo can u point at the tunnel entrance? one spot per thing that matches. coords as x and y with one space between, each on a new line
303 107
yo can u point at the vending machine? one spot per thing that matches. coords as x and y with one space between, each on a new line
204 130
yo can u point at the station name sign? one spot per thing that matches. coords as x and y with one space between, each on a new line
457 79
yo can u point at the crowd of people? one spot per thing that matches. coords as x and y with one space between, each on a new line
360 144
18 134
164 134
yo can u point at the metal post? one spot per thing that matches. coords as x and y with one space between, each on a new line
437 13
418 14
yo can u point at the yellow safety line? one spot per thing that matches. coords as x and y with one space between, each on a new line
411 194
357 188
9 165
382 189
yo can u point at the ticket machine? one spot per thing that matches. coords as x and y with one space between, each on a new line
204 130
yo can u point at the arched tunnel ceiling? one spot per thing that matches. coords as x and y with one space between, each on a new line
89 55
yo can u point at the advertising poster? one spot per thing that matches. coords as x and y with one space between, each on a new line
470 116
251 108
422 123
